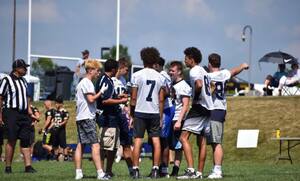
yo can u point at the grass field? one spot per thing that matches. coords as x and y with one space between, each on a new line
263 113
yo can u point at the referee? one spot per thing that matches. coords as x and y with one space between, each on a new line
15 114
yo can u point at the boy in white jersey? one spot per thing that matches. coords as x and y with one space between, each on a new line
218 78
169 110
198 115
181 94
125 134
85 118
147 101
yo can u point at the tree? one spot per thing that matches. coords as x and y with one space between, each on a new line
123 52
42 65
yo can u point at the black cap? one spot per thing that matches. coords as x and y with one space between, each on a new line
19 63
59 99
85 52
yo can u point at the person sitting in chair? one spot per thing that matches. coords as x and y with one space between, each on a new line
292 78
273 81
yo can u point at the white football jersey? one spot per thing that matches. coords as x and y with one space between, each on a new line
219 79
148 82
204 99
119 87
181 89
168 85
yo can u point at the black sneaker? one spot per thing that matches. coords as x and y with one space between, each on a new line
136 173
29 169
187 175
8 170
164 175
175 171
154 173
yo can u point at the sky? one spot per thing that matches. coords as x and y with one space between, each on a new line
65 28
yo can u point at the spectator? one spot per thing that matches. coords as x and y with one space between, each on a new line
292 78
85 118
80 67
273 81
110 118
15 113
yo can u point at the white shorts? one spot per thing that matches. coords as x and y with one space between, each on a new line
196 125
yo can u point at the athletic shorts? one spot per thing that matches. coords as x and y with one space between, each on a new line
47 138
125 133
167 121
173 139
87 131
196 125
59 137
32 135
18 126
1 135
109 138
216 132
140 125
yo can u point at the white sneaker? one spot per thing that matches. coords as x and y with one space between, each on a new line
102 176
198 175
78 176
215 175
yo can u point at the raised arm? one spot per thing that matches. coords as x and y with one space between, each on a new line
238 69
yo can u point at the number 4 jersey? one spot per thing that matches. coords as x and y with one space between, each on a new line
149 82
219 79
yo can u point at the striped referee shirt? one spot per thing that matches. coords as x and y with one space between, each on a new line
13 90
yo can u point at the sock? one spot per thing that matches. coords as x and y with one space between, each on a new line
100 173
218 168
135 167
155 167
78 171
164 170
191 169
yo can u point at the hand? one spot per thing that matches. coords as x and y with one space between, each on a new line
177 125
40 131
245 66
1 121
124 100
103 88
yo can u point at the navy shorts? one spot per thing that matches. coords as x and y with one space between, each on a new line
125 132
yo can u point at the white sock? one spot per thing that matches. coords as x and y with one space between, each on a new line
218 168
135 167
191 169
78 171
155 167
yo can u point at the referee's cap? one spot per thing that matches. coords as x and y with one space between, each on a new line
19 63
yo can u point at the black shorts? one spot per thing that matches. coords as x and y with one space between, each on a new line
151 125
32 135
1 135
125 135
173 139
18 126
59 137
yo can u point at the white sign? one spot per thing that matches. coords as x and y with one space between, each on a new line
247 138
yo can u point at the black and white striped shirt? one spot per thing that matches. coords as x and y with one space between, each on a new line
13 90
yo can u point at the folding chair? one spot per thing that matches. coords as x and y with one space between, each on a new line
291 89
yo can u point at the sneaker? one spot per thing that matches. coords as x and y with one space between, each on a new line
136 173
29 169
164 175
175 171
198 175
154 173
215 175
8 170
78 176
187 175
103 176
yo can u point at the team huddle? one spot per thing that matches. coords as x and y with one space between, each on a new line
161 103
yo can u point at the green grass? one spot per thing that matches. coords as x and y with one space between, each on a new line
263 113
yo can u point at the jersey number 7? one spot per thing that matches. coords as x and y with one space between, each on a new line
152 84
